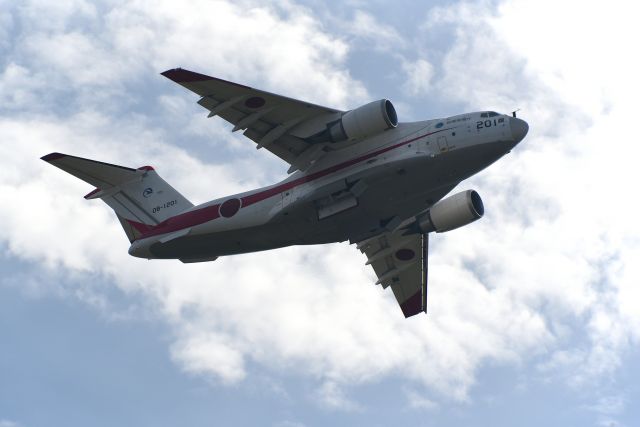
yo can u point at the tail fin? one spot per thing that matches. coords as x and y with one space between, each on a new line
140 198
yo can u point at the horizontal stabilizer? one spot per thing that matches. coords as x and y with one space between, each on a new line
98 174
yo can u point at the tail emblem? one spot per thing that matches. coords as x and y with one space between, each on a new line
147 192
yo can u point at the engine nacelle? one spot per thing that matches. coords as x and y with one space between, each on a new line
370 119
451 213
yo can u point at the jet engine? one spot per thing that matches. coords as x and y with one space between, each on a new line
369 119
448 214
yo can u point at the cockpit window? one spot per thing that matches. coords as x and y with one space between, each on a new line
489 114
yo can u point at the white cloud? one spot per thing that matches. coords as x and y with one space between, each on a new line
367 28
607 409
420 402
565 237
331 396
6 27
609 405
18 87
587 68
292 55
210 353
419 74
136 40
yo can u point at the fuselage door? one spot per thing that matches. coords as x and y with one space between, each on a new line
443 145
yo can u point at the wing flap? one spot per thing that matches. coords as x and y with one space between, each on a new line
398 262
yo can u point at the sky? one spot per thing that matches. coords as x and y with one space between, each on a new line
534 314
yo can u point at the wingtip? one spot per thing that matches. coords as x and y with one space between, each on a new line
52 156
95 191
413 305
180 75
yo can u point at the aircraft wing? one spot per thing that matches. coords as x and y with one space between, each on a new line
400 262
266 118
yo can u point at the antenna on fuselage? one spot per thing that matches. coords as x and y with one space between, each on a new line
513 113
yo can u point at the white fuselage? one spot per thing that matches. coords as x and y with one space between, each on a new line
353 193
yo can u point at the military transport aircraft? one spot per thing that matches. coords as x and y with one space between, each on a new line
356 175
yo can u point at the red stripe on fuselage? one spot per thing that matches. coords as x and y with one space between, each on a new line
178 222
209 213
258 197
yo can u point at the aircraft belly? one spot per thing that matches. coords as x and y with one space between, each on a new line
254 239
405 187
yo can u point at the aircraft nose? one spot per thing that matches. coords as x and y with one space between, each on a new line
519 129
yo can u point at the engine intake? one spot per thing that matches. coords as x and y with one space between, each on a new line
370 119
453 212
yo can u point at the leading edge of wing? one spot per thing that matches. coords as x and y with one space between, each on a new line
180 75
185 77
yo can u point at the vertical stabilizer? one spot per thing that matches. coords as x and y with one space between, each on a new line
138 196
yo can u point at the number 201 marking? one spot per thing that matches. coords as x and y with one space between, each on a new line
488 123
